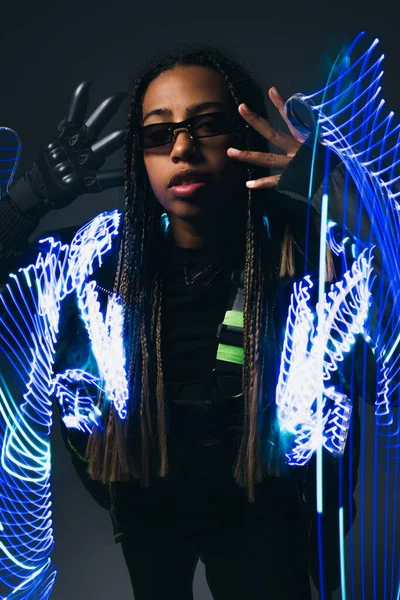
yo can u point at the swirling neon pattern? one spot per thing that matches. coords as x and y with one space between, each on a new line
310 353
29 325
351 120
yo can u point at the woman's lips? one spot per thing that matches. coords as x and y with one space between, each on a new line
184 191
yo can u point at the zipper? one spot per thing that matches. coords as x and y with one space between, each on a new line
113 502
302 495
102 289
309 522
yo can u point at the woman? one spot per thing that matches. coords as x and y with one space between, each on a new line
197 467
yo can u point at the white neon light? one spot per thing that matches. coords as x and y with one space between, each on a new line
311 352
106 335
76 391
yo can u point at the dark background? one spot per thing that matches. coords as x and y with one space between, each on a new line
48 48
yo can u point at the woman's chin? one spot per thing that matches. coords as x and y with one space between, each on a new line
188 210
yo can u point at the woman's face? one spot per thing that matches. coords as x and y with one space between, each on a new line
175 91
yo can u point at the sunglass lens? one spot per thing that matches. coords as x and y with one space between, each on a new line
156 136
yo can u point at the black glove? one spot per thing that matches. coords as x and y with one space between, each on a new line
69 165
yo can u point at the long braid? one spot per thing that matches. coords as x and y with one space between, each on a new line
248 469
95 449
249 472
161 408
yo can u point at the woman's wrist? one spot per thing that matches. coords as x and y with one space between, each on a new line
306 163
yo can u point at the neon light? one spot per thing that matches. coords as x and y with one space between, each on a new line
29 319
391 351
106 338
353 132
10 149
310 353
338 247
78 411
342 555
320 313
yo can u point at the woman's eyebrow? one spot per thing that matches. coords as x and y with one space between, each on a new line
190 110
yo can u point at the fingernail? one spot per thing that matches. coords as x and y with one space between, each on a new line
275 92
233 152
246 108
250 183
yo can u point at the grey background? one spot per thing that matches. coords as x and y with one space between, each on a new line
47 48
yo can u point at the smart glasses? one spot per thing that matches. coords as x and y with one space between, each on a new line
200 126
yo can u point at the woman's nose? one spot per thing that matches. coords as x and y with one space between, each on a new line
183 143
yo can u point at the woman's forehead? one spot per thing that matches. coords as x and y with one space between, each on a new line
183 86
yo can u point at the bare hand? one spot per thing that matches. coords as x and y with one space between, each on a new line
289 143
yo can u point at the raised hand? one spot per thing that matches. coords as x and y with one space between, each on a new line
68 166
289 143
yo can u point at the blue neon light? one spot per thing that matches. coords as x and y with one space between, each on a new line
29 319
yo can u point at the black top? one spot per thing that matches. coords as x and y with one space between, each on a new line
196 285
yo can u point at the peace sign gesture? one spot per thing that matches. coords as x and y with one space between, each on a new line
289 143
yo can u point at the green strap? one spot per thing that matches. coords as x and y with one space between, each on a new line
232 354
112 508
76 451
233 318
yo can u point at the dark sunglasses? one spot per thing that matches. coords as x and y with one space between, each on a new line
200 126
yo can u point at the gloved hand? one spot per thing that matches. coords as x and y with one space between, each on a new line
68 166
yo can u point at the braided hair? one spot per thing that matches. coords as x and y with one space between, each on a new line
137 447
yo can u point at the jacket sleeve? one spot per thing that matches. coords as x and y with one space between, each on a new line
76 442
73 351
344 204
17 252
346 209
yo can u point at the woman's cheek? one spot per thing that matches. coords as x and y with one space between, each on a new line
154 182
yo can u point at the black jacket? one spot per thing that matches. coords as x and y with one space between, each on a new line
74 348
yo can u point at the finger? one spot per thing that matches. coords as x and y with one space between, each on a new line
64 174
103 113
104 180
262 159
279 102
63 171
79 102
104 147
263 182
277 138
56 154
